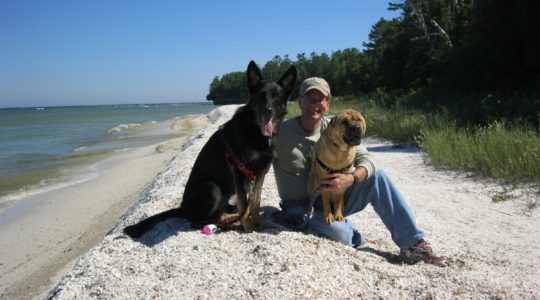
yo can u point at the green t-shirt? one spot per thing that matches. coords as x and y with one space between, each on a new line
292 164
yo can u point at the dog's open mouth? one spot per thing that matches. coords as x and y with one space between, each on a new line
267 128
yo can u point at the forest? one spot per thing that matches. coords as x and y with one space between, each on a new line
476 60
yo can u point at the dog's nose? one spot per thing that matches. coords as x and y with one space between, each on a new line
267 112
268 109
354 131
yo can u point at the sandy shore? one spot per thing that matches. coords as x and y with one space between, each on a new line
493 248
42 235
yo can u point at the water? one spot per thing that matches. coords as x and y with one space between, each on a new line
50 147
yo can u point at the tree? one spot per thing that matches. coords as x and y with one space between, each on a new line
231 88
387 54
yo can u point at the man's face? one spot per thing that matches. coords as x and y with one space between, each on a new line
314 104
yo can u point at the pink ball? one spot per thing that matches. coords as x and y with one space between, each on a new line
209 229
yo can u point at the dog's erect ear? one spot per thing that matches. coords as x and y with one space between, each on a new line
253 75
288 80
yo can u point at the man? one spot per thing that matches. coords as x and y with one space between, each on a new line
291 167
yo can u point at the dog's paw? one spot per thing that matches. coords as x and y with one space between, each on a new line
338 217
247 224
329 219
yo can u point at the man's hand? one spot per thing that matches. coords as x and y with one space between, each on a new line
338 183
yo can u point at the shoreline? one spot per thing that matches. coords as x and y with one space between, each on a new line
488 244
47 232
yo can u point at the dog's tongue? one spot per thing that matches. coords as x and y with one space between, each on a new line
267 128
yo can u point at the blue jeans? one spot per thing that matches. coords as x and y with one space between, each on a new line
387 202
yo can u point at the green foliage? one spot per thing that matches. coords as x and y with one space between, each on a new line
499 150
275 68
387 54
482 108
349 72
496 51
231 88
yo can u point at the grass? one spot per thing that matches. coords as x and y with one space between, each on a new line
499 151
502 150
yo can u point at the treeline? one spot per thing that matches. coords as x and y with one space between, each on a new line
479 60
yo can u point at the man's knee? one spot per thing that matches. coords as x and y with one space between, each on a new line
339 231
379 174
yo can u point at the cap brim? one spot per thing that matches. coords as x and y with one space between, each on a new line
325 93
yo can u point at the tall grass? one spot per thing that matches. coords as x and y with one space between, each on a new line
499 150
509 151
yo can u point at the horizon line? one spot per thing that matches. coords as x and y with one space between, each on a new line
106 104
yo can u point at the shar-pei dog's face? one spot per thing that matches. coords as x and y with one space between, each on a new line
334 153
346 128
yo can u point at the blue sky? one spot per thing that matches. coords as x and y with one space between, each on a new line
70 52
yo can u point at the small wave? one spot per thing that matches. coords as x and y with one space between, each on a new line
80 149
40 108
126 137
121 127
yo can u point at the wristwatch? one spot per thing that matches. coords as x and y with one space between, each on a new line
356 178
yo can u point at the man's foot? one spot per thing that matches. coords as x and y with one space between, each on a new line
421 251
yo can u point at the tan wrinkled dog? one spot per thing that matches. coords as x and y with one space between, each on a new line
334 153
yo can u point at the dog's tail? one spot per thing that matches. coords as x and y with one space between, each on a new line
136 230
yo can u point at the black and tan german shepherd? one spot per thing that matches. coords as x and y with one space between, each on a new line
235 159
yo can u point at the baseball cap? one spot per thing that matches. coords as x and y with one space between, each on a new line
315 83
